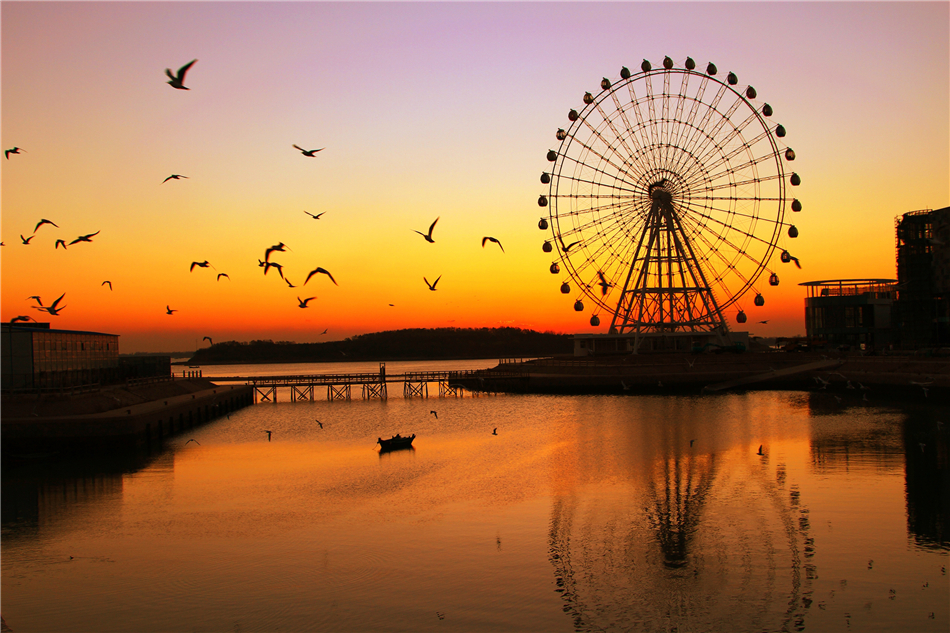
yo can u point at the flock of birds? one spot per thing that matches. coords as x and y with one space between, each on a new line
177 80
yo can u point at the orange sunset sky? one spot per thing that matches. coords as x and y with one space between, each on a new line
425 110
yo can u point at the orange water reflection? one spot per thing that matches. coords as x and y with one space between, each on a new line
583 513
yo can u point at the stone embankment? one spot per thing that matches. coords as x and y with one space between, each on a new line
913 376
116 415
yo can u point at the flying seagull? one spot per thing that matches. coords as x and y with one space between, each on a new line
288 283
280 247
169 310
322 271
35 298
173 176
303 302
309 152
107 282
764 322
15 150
435 414
84 238
26 240
53 308
22 318
44 221
269 265
604 284
208 338
63 242
492 239
315 217
428 237
432 285
220 275
203 264
193 440
324 332
568 246
178 81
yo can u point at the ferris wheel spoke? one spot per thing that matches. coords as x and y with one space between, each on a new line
729 268
741 168
618 172
740 251
696 212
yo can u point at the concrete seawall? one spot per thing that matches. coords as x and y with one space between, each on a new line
911 376
114 416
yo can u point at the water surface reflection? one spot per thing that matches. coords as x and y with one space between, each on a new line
583 513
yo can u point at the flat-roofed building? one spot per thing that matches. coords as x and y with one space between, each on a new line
34 356
857 313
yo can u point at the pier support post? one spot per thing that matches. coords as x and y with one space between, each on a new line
338 392
415 388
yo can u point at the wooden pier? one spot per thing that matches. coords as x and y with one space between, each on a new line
372 386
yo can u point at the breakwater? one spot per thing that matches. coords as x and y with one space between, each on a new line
911 376
134 415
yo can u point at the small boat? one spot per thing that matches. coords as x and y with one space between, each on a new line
395 442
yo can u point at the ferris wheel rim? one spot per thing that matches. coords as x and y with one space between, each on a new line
698 207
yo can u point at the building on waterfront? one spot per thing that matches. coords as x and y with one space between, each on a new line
35 356
850 313
923 274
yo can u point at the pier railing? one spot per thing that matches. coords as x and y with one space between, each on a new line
373 385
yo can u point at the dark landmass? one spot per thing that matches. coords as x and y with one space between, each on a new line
169 354
411 344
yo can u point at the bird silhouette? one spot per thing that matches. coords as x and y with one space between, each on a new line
84 238
764 322
26 240
280 247
63 242
35 298
760 450
169 310
303 302
567 247
315 217
435 414
14 150
268 435
319 422
432 285
108 283
428 237
193 440
178 80
173 177
324 332
492 239
208 338
42 222
22 318
53 308
220 275
604 284
309 152
203 264
322 271
495 431
269 265
288 283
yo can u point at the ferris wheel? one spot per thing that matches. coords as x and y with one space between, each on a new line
667 199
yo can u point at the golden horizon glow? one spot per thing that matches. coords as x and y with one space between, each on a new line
425 110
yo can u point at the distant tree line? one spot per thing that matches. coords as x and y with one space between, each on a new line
410 344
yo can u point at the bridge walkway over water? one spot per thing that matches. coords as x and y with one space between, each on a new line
373 386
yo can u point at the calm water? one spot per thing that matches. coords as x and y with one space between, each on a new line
583 513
